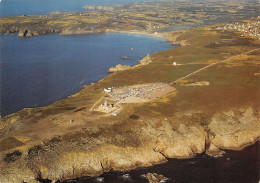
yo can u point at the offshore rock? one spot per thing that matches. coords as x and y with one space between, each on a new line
154 177
214 151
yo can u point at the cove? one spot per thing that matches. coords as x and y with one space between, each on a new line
41 70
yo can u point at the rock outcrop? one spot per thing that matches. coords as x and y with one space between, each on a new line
25 33
78 30
234 129
212 150
183 142
154 177
119 67
146 60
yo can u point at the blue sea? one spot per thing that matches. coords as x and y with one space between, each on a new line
40 70
38 7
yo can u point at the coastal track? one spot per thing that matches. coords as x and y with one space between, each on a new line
212 64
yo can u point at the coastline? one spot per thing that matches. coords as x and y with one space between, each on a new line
85 85
157 143
175 170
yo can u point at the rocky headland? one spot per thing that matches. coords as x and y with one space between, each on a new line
146 60
68 139
140 143
119 67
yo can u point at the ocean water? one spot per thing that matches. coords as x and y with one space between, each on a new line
38 7
40 70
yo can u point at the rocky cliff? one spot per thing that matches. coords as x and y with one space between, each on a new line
142 143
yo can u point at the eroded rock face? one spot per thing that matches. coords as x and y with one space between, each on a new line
109 157
183 142
17 172
78 164
234 129
25 33
142 144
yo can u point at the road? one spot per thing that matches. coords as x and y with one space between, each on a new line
212 64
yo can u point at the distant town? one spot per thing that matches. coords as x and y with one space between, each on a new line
250 28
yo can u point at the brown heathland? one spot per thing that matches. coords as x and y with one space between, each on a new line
66 139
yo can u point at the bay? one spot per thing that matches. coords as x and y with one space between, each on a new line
43 69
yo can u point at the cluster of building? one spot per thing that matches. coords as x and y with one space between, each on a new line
251 29
133 94
144 92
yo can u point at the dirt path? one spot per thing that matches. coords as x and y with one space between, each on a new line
203 68
94 105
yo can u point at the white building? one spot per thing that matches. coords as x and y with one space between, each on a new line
108 90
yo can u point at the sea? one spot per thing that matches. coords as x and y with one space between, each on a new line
40 70
39 7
